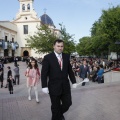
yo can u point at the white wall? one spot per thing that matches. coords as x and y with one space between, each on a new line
32 28
8 25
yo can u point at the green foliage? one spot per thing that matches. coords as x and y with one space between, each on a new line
84 47
69 43
104 33
43 40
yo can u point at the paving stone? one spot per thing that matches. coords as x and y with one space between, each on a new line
91 102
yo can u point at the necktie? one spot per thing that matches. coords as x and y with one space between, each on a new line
60 61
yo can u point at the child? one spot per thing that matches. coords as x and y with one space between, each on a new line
10 84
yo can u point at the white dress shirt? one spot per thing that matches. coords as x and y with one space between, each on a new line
60 60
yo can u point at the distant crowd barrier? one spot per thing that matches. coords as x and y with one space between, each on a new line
112 76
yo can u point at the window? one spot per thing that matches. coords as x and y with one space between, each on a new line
28 6
25 29
5 38
23 7
12 39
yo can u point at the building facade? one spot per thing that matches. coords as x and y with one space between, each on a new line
15 32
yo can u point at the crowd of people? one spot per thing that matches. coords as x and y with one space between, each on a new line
92 68
57 66
10 80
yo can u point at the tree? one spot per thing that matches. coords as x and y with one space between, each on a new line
104 33
43 40
84 46
68 40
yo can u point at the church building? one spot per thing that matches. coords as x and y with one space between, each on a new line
13 33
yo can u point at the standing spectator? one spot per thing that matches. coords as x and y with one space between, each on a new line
15 60
103 63
1 65
33 76
9 73
2 68
10 84
93 74
1 77
16 74
84 71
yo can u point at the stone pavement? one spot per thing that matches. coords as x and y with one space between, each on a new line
92 102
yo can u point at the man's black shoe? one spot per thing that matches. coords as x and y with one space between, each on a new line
83 84
63 118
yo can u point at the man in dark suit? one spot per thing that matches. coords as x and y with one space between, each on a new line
84 70
56 66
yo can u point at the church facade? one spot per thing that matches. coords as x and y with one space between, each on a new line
13 33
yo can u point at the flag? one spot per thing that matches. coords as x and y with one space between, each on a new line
16 45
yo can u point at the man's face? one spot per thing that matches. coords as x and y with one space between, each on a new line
58 47
84 63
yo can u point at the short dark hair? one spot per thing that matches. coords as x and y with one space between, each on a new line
101 65
58 40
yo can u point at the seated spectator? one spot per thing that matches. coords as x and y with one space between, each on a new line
93 74
100 73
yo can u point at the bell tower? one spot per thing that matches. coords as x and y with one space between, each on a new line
26 21
26 5
26 10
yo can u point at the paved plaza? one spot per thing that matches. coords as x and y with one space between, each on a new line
92 102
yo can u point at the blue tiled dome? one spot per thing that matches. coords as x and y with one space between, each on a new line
45 19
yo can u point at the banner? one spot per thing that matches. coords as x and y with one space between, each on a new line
16 45
1 43
13 46
6 45
10 44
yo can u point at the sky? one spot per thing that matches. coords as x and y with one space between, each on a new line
77 16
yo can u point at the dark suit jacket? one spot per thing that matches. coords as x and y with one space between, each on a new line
58 82
83 71
9 73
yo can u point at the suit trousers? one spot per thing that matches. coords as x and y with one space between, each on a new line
17 77
59 105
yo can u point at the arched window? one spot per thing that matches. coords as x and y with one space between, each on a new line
28 6
23 7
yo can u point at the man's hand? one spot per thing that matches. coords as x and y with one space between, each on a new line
45 90
74 85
